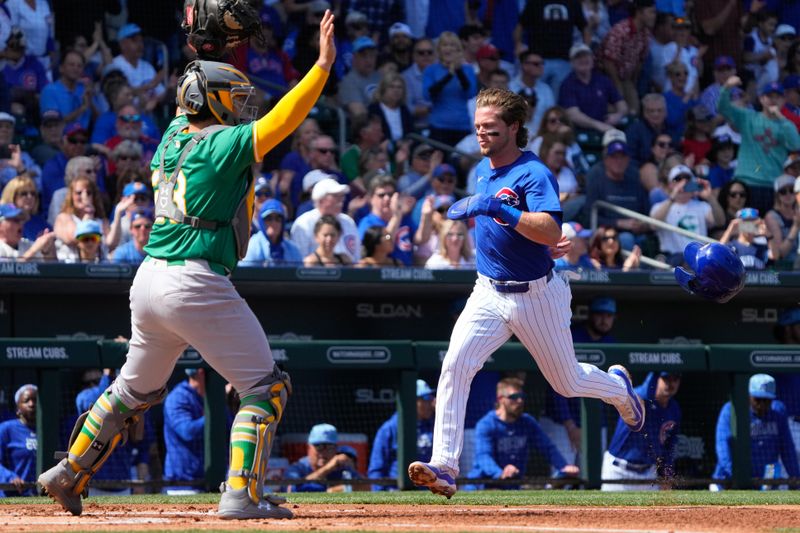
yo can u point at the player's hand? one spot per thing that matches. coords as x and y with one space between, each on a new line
509 471
427 206
561 249
327 48
705 193
472 206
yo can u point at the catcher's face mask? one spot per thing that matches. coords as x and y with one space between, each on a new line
244 105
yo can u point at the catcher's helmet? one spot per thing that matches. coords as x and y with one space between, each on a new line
718 272
215 26
220 88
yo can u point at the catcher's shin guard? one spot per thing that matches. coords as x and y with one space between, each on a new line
253 431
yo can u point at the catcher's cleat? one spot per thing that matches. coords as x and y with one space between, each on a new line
235 504
633 411
427 475
269 497
59 483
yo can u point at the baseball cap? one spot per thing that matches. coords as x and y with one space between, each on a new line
328 186
74 129
348 450
487 51
614 135
762 386
617 147
442 169
88 227
772 87
7 117
669 373
789 317
570 230
128 30
784 180
421 150
791 159
748 213
52 115
363 43
680 170
313 177
443 200
579 49
355 17
261 184
9 211
135 187
399 28
603 304
424 390
722 62
785 29
323 434
723 139
142 213
270 207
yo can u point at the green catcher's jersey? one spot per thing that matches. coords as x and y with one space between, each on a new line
211 184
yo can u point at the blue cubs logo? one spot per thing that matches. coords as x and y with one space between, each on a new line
351 244
508 197
403 239
665 431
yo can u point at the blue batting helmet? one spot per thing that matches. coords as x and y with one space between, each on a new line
718 273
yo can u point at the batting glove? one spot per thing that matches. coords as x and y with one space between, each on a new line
484 204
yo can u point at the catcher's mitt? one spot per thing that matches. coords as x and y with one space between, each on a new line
217 26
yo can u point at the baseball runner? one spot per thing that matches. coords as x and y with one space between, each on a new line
181 294
517 217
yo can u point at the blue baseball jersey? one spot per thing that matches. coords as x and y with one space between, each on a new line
403 239
383 459
770 440
17 455
499 443
183 434
502 252
302 468
655 444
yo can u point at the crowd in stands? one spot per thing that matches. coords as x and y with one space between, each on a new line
621 94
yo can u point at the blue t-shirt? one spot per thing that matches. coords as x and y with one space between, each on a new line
28 75
183 434
584 263
503 253
56 96
676 114
449 109
383 459
403 239
128 254
591 98
17 454
302 468
719 176
260 252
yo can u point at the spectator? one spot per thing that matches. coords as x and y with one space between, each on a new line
691 206
598 326
383 459
721 156
555 121
697 138
77 167
73 144
473 37
355 91
443 185
606 251
262 189
70 95
118 93
435 214
184 421
323 462
367 132
770 440
97 54
389 104
424 56
649 171
295 164
269 246
18 160
749 237
130 126
455 250
270 66
597 22
529 82
389 209
662 36
625 49
18 443
328 196
791 107
398 52
553 153
678 100
577 258
642 131
146 83
377 246
733 196
380 14
132 252
51 130
35 19
21 191
356 25
82 203
651 452
322 154
505 435
587 94
660 192
760 57
562 18
767 139
24 73
783 222
684 52
417 181
88 244
13 246
488 58
127 160
724 68
327 232
791 166
620 185
449 84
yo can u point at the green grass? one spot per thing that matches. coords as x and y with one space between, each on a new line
589 498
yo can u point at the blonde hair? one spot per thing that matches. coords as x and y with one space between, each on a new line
386 81
447 225
69 207
452 38
513 109
16 185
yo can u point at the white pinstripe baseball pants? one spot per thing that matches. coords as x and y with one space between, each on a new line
540 318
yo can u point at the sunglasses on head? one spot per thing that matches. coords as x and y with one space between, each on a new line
131 118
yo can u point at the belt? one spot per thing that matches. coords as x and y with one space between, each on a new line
217 268
515 286
631 467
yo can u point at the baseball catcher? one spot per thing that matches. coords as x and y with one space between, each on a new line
215 27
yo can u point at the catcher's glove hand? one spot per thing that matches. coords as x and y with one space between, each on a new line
217 26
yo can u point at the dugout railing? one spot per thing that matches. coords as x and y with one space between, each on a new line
325 364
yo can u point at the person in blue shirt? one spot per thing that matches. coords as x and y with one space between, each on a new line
324 461
504 437
184 421
577 259
650 454
132 252
770 440
68 94
787 331
18 443
270 247
602 313
383 459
